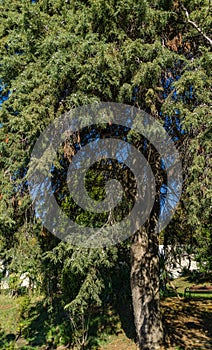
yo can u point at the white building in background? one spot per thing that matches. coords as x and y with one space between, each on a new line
4 282
177 262
24 280
174 264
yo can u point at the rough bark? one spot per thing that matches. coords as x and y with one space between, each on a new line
145 290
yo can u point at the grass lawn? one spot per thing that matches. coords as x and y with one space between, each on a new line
118 342
8 314
187 323
188 281
9 324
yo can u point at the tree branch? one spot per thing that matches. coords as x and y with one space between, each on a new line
195 25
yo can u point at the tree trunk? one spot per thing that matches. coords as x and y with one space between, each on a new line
145 290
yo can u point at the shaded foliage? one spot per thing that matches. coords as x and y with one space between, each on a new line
58 55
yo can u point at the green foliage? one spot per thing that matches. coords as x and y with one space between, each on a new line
204 246
56 55
192 104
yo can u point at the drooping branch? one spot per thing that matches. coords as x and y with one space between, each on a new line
196 26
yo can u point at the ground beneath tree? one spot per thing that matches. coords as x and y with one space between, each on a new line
188 325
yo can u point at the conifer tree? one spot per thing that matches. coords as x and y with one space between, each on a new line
55 56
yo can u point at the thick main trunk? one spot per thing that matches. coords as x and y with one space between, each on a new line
145 291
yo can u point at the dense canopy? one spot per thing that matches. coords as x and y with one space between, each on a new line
57 55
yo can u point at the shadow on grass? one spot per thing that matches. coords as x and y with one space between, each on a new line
188 323
103 323
42 327
6 340
35 325
125 312
45 325
122 298
197 277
